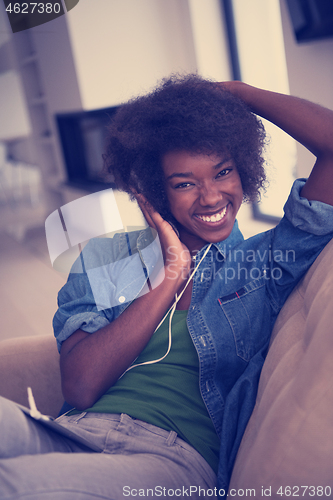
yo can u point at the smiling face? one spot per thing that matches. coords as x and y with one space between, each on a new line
205 193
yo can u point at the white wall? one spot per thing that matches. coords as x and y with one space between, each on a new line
210 39
121 48
14 120
263 64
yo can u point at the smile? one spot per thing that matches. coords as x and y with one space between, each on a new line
213 218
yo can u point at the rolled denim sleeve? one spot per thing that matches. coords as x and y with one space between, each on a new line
77 310
88 322
103 281
312 217
296 242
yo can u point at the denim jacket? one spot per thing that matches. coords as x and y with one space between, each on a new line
238 291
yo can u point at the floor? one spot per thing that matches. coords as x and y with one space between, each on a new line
29 285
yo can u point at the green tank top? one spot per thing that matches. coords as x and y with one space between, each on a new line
166 394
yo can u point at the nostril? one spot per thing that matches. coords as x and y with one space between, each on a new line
210 197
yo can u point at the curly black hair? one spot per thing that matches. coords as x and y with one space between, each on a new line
184 113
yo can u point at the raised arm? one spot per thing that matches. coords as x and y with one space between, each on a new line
307 122
91 363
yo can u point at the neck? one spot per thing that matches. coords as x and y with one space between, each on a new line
193 243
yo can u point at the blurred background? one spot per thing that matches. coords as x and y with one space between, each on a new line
59 82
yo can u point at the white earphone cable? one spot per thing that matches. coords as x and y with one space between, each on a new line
171 311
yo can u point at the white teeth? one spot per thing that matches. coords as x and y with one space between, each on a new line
213 218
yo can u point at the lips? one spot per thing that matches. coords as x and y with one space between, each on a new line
213 218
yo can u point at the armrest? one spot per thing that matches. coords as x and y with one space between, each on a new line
34 362
288 440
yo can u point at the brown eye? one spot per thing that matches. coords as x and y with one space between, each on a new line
224 172
182 185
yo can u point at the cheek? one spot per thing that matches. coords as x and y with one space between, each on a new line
173 206
177 201
237 188
240 185
177 209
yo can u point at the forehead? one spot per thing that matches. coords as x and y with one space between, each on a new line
184 162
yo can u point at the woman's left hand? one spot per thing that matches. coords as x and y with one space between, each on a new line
309 123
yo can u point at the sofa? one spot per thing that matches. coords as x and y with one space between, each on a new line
287 448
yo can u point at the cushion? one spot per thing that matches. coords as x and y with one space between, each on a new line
288 441
31 361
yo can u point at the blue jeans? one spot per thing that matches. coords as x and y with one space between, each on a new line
138 459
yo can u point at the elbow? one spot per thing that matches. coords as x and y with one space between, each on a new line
80 396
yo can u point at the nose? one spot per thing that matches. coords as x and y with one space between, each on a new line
210 195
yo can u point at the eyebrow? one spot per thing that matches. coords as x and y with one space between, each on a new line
182 175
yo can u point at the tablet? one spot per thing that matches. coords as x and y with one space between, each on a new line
58 428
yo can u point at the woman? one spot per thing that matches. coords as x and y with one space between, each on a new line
169 409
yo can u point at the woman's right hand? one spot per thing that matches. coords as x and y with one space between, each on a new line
177 258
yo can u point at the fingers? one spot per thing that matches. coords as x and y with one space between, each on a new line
153 218
147 210
177 259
